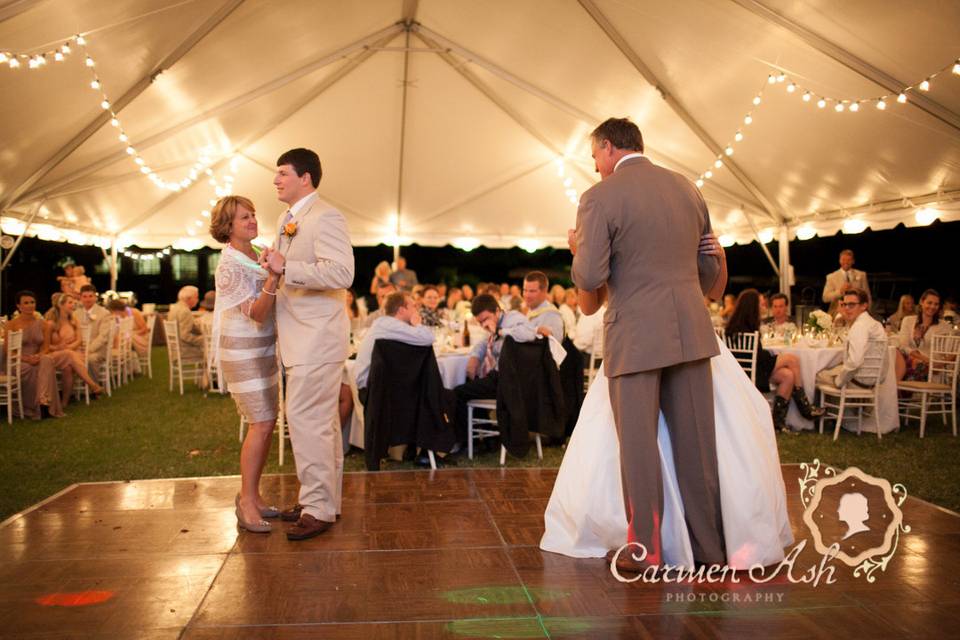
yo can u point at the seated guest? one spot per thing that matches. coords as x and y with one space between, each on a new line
505 294
381 276
780 321
91 314
568 311
353 311
729 302
38 371
467 292
843 279
66 347
484 359
557 295
206 307
950 314
191 335
905 308
541 313
442 291
782 370
429 310
865 338
382 293
463 306
141 332
452 308
764 309
589 330
916 336
403 278
400 321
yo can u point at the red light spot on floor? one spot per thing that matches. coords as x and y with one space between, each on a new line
77 599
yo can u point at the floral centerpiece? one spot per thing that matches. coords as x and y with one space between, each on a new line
818 322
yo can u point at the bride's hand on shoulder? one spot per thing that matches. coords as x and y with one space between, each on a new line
709 245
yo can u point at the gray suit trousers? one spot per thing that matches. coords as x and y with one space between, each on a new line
685 394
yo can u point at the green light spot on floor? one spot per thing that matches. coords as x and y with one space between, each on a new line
503 595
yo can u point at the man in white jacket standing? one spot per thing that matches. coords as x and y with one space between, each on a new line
312 328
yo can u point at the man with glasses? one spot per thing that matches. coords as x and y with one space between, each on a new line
866 336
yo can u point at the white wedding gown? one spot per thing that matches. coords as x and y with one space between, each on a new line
585 516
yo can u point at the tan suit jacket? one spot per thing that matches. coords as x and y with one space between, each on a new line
638 232
312 323
833 287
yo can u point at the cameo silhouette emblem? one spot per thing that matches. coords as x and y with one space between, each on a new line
853 515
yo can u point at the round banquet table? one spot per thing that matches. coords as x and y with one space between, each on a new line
453 372
812 360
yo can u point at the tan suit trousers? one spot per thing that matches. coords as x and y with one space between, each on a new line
313 392
685 394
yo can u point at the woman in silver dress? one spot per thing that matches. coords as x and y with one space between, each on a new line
245 347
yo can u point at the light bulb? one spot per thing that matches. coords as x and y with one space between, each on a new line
855 107
902 98
114 122
65 49
708 174
41 60
14 63
781 77
718 163
771 79
205 213
123 137
748 120
881 105
58 56
956 68
699 182
90 61
756 100
145 170
791 88
568 182
32 64
80 40
139 161
95 84
821 103
806 97
728 150
105 105
3 57
839 107
925 85
131 151
738 137
213 202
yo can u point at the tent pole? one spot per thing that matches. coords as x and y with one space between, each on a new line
786 270
16 245
403 132
113 263
756 234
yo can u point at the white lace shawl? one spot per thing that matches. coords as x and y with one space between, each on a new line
237 281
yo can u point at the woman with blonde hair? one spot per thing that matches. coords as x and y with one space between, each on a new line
905 308
66 346
381 277
245 347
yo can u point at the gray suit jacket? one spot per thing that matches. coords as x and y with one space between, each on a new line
638 232
99 320
312 323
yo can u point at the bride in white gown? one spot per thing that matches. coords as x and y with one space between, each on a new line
585 517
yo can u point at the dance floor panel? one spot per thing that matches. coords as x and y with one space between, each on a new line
417 554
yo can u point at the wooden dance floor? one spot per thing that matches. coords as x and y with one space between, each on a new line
448 554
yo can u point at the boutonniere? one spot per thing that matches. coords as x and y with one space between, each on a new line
290 229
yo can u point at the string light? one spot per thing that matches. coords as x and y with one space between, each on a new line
38 60
728 148
852 105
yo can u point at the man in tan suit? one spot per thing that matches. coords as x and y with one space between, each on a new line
844 279
638 232
312 328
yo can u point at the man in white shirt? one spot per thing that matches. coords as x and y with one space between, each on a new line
866 337
401 322
780 321
482 374
99 319
589 333
542 314
844 279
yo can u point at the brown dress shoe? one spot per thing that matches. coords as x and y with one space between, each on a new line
625 562
307 527
292 514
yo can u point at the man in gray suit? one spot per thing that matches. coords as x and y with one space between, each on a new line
637 238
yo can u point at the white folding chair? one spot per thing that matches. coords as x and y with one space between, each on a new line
940 386
104 374
79 386
481 432
10 381
744 347
211 371
178 366
721 332
146 360
837 400
120 356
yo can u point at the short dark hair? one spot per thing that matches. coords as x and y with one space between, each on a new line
116 304
26 293
303 161
394 302
88 287
539 277
779 296
848 252
620 132
484 302
862 296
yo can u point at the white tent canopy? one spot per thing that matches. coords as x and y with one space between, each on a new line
465 121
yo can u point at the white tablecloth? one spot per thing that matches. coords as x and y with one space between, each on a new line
453 371
813 360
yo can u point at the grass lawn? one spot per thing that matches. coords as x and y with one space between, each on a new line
144 431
